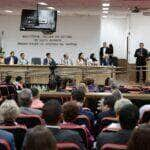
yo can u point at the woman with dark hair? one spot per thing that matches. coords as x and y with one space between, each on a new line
81 61
39 138
93 61
110 50
140 139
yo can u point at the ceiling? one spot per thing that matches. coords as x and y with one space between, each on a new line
117 7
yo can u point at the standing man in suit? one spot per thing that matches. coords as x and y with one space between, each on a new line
12 59
141 55
48 60
103 51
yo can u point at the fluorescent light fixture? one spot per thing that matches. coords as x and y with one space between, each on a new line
104 16
105 12
51 8
105 8
106 4
8 11
43 3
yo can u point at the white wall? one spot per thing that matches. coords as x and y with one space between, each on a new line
139 32
114 31
83 32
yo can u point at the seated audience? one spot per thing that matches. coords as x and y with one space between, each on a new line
12 59
23 60
9 111
83 87
128 118
52 114
81 61
66 60
140 139
93 61
107 108
39 138
25 101
9 138
48 60
19 83
36 102
143 109
70 111
79 96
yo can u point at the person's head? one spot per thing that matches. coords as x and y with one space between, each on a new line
35 92
140 138
110 46
78 95
12 53
52 112
25 98
22 55
117 94
92 56
128 116
66 56
121 103
70 111
141 45
108 103
8 79
18 79
104 44
83 87
48 55
39 138
9 110
80 56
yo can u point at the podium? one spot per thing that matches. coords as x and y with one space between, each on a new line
148 71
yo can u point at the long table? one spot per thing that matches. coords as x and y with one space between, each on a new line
94 96
39 74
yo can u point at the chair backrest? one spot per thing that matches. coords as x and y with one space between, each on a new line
36 61
83 120
145 118
114 147
4 145
80 129
30 121
18 132
67 146
106 121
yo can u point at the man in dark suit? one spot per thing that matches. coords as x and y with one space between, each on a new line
9 138
12 59
52 114
103 51
48 60
128 118
141 55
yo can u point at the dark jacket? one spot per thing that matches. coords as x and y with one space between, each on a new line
45 61
7 60
62 135
120 137
141 60
101 54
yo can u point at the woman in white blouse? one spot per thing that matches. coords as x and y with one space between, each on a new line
81 61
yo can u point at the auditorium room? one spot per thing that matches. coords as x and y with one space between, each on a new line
74 75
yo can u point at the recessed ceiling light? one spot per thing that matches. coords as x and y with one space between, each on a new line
43 3
104 16
105 8
51 8
105 4
8 11
105 12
